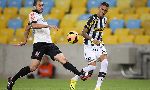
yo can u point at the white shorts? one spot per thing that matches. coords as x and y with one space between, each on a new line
92 53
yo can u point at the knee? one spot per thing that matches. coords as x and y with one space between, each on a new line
92 63
61 58
103 57
102 74
33 68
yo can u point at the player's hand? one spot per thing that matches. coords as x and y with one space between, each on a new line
54 27
21 44
97 42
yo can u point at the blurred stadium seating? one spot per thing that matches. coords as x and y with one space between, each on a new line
115 24
15 23
14 3
131 24
3 3
128 20
53 22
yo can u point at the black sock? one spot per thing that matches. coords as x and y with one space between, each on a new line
70 67
102 74
24 71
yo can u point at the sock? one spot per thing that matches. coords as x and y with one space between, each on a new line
102 73
99 82
24 71
89 68
104 65
85 69
70 67
75 78
101 77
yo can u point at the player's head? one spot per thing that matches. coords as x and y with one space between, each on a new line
103 9
38 5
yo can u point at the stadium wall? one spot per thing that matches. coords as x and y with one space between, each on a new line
13 58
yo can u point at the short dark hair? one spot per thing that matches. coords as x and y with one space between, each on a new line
105 4
35 2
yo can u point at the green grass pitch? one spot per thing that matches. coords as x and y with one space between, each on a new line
59 84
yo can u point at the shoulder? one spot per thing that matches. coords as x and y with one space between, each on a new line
32 13
92 17
105 18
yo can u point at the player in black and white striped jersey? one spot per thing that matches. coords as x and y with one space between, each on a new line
94 49
95 26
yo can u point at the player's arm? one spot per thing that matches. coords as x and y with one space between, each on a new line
105 22
87 28
39 26
85 35
26 34
33 18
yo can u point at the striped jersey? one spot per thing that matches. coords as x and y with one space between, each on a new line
95 27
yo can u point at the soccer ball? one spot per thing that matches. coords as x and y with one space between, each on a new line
72 37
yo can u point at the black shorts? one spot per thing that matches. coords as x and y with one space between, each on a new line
41 48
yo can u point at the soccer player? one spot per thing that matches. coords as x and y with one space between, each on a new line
42 45
94 49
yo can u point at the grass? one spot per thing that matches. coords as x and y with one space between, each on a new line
57 84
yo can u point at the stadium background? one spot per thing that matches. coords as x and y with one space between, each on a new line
127 36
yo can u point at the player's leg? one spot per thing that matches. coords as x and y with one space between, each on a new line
24 71
86 71
89 56
103 71
37 55
56 54
61 58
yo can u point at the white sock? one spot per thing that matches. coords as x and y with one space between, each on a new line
104 65
85 69
89 68
99 82
75 77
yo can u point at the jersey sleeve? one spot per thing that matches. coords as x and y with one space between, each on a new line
33 17
105 22
89 23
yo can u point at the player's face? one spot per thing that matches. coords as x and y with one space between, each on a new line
103 10
39 6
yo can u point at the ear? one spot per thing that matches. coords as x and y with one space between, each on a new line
99 6
34 7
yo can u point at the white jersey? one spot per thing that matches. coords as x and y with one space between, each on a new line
43 34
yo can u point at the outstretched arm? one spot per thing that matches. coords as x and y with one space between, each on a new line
26 34
39 26
33 19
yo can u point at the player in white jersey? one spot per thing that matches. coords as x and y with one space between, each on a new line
42 45
94 49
